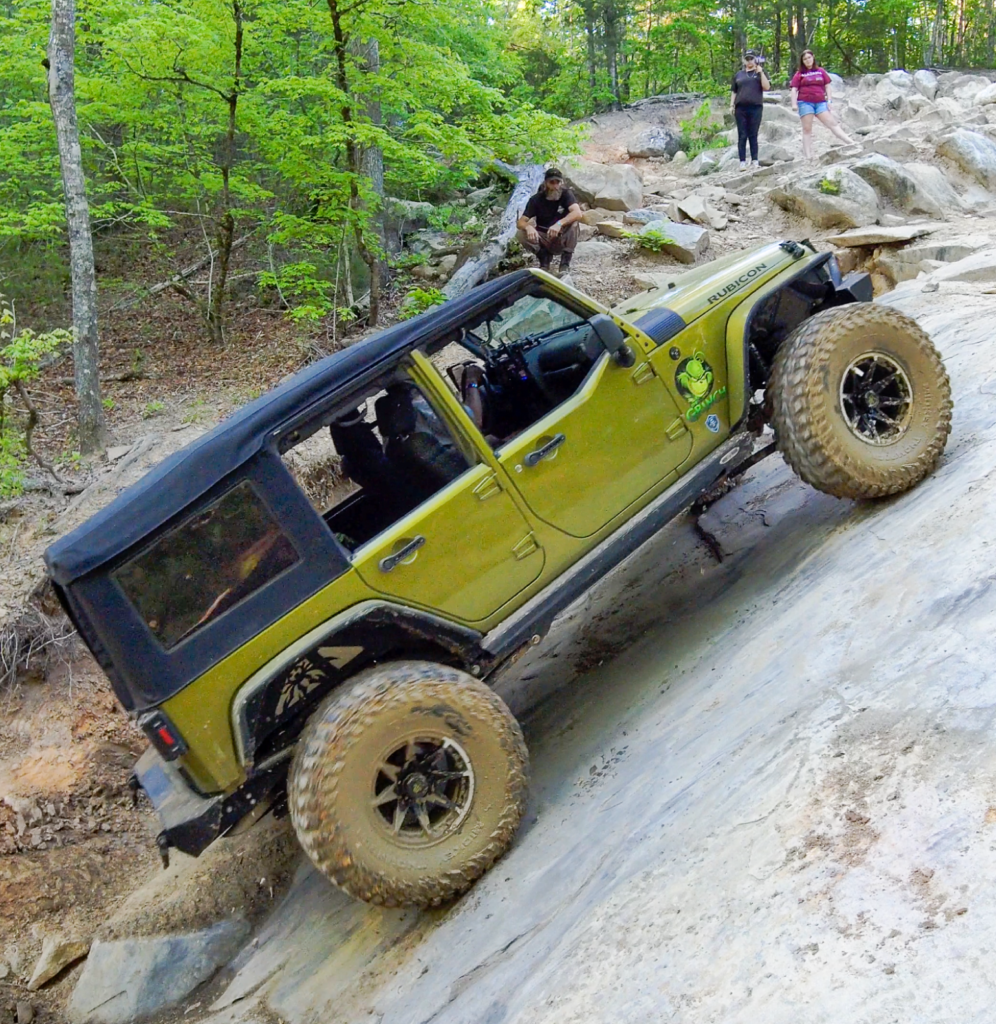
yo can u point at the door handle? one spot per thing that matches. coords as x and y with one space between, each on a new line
390 562
541 453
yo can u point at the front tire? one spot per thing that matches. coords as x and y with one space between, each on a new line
861 401
408 783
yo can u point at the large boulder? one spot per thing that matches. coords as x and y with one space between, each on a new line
925 83
653 142
980 266
643 216
966 91
611 186
837 85
866 83
686 242
914 104
902 187
837 198
973 153
875 235
775 131
598 214
986 96
853 115
707 161
780 115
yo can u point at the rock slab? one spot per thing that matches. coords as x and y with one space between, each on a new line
127 979
610 186
58 952
881 236
687 242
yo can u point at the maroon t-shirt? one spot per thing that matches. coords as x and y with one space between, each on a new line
812 85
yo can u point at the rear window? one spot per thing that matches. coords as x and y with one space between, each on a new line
208 564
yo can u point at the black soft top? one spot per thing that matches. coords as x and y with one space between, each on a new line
189 473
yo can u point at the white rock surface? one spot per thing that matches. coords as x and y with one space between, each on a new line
986 96
687 241
912 189
980 266
611 186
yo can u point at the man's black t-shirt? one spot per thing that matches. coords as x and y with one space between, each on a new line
547 211
747 86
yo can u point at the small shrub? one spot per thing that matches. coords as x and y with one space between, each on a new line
699 132
107 403
830 186
152 409
418 300
656 239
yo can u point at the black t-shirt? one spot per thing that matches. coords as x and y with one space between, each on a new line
747 86
548 211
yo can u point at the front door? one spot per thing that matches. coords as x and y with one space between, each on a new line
585 461
465 552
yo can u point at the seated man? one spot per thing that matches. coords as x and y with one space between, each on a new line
549 223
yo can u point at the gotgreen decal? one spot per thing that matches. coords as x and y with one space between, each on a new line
700 407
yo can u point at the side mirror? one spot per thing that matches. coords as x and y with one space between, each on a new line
613 339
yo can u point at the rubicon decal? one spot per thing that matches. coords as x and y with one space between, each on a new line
738 283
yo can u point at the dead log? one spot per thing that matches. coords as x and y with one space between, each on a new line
528 178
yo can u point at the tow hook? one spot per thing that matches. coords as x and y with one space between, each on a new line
134 785
162 841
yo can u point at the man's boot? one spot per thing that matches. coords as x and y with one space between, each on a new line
565 263
544 258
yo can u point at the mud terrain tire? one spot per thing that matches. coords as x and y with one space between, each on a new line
366 760
824 423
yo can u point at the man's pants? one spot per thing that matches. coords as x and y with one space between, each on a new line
565 243
748 122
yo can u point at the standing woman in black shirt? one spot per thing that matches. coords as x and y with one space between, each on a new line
747 103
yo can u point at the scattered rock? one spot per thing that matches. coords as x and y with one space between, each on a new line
973 153
58 952
480 195
598 214
611 229
854 115
891 220
595 248
692 207
407 214
24 1012
447 263
925 82
854 204
679 159
706 162
904 264
611 186
986 96
653 142
780 115
687 241
895 149
653 280
875 235
774 131
132 978
643 216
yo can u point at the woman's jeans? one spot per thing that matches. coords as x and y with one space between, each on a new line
748 122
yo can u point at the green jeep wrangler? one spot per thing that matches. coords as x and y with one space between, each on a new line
303 607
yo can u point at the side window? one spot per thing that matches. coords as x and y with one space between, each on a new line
380 458
525 360
208 564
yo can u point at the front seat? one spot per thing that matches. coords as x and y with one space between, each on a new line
423 462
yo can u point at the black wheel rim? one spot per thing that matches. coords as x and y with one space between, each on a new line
876 398
423 789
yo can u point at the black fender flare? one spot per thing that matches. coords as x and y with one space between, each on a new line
271 707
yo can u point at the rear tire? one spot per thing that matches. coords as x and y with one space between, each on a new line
408 784
861 401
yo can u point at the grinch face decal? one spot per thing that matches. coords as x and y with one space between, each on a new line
694 377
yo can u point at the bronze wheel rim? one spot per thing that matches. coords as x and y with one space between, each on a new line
422 789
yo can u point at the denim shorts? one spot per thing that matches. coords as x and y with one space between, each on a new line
811 108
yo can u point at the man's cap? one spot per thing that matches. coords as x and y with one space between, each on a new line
750 54
553 172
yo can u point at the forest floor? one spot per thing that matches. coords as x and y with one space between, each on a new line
72 848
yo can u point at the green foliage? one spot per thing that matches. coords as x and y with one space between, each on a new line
153 408
418 300
22 353
829 186
653 238
699 132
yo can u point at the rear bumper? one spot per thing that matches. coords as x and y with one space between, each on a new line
191 822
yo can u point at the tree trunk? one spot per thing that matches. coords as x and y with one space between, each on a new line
589 31
777 55
86 355
935 51
353 159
